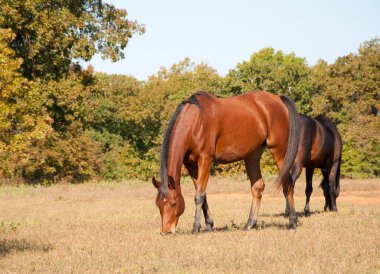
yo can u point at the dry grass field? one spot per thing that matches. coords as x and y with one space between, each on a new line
114 228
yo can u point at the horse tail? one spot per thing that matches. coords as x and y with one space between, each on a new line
337 147
293 141
337 178
338 150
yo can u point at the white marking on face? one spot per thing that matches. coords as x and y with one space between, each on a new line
164 200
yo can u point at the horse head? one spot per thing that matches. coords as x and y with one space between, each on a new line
171 204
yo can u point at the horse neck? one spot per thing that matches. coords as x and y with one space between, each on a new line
179 145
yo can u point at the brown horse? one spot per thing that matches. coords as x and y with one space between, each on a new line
320 146
205 129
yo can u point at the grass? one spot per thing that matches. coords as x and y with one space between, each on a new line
114 228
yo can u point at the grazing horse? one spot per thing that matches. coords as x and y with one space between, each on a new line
205 129
320 146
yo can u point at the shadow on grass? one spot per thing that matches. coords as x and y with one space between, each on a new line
236 227
8 246
298 214
232 226
260 226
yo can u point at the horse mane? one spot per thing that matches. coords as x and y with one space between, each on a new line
166 141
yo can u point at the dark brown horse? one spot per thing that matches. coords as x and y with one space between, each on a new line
320 146
205 129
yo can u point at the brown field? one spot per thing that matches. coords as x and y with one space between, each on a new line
114 228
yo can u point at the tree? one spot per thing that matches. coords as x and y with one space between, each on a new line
179 82
349 93
122 116
50 34
24 123
44 92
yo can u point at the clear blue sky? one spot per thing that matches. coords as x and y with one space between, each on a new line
224 33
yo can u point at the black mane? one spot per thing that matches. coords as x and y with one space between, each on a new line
166 142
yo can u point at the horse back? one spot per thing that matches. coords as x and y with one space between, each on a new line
239 125
307 133
265 113
331 127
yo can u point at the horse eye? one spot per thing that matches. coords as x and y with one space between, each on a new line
174 204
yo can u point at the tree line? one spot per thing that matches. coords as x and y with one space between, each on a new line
60 121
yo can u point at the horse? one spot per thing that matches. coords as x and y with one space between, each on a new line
320 146
206 129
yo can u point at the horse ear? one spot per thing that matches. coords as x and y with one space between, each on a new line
171 182
156 183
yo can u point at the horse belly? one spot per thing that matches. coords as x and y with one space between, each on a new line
321 160
236 147
240 132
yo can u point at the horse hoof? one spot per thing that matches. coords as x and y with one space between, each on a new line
293 225
196 230
208 227
307 213
247 227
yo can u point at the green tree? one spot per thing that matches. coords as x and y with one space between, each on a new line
123 118
179 82
50 34
349 93
45 93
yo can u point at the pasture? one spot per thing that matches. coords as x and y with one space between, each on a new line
114 228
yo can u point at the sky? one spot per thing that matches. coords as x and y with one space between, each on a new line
224 33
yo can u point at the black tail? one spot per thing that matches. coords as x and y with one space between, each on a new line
337 178
338 147
293 141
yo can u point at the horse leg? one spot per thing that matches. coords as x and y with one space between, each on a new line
252 165
332 186
204 165
295 173
287 210
208 218
193 172
288 190
309 189
287 186
326 189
